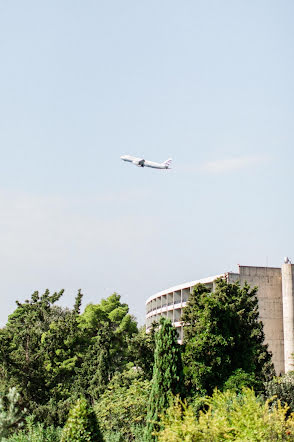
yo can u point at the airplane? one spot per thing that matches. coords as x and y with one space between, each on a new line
140 162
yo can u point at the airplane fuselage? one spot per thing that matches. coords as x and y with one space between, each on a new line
140 162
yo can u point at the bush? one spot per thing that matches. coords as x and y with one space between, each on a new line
137 434
11 416
230 416
282 388
81 425
240 379
54 412
113 436
178 423
122 408
36 433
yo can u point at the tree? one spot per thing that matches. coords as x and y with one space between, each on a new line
107 327
94 375
81 425
21 354
39 353
62 351
54 355
142 347
167 374
223 334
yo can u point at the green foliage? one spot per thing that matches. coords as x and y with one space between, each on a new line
36 432
54 411
167 374
222 335
11 416
21 356
94 373
123 406
240 379
113 436
178 423
107 327
230 416
137 432
54 355
81 425
62 351
38 351
142 347
282 389
112 312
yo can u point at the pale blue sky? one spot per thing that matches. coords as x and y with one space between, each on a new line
207 83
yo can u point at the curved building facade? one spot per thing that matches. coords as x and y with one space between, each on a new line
170 302
275 288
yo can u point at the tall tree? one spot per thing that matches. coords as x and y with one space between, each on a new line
106 327
21 357
39 352
54 355
63 351
141 347
223 336
167 374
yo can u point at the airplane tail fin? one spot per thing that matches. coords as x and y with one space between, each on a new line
167 162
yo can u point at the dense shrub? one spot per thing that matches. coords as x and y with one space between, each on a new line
137 432
81 425
11 416
36 432
240 379
123 406
178 423
282 388
230 416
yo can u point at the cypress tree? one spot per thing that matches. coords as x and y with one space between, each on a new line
167 375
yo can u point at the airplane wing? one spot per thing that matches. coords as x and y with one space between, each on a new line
140 162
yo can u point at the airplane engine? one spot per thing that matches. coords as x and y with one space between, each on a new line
139 163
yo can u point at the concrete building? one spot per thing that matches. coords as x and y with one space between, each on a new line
276 306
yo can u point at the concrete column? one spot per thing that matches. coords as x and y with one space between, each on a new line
288 314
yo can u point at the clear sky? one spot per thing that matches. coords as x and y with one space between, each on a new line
207 83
